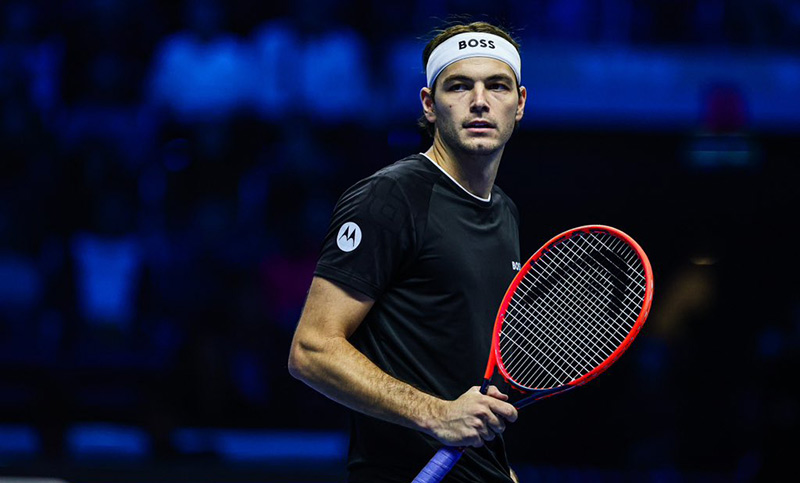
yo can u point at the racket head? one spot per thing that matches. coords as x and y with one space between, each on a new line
553 309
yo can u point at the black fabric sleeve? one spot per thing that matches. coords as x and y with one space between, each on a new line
370 236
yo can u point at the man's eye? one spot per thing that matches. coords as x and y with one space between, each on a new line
457 87
498 87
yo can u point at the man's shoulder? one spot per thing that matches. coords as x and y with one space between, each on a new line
411 169
405 184
410 178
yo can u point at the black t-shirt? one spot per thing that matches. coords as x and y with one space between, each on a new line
437 260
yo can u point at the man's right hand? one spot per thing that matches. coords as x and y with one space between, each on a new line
473 418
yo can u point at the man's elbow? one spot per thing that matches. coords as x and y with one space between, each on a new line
298 363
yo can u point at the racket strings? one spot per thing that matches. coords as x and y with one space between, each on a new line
590 303
614 262
585 339
584 295
581 359
574 308
569 282
584 362
626 301
564 331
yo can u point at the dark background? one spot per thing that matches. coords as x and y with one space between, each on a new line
167 172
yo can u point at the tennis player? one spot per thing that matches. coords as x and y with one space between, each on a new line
417 259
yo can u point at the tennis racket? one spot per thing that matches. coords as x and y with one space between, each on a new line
570 312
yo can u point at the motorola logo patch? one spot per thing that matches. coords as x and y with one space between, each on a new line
349 237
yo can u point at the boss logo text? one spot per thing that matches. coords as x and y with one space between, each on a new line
463 44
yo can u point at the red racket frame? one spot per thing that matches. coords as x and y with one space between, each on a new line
495 357
447 457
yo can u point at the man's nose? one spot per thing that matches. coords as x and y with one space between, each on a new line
479 103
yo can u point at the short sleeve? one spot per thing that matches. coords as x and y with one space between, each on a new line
370 236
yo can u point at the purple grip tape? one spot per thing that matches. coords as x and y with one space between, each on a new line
441 464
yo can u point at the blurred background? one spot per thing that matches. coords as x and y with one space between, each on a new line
168 170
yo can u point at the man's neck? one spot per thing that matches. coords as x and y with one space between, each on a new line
475 173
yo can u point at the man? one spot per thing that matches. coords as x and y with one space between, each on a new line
399 315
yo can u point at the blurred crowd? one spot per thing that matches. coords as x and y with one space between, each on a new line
167 171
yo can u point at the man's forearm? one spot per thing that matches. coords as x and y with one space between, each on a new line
339 371
322 357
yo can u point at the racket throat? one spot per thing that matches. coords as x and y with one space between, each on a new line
485 385
539 395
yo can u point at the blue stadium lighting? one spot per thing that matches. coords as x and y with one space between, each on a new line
107 440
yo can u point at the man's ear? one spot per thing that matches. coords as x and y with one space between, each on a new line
428 105
523 98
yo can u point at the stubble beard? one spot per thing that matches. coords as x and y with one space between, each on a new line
470 146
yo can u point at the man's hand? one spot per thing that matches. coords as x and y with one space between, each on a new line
473 418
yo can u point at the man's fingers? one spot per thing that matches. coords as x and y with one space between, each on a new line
508 411
498 427
498 404
504 409
494 423
495 393
475 418
485 432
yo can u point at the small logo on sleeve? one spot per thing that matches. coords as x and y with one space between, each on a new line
516 266
349 237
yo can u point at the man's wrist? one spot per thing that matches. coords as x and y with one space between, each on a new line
430 415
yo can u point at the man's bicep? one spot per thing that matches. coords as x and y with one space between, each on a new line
332 310
319 348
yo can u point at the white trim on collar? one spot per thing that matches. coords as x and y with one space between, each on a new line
485 200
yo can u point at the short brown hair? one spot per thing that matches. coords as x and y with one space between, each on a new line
440 35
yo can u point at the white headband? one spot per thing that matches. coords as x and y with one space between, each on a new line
472 44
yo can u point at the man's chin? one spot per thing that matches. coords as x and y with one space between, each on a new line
481 148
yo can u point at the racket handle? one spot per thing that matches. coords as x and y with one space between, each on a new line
441 464
445 459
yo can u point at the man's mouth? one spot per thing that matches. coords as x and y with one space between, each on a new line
479 125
